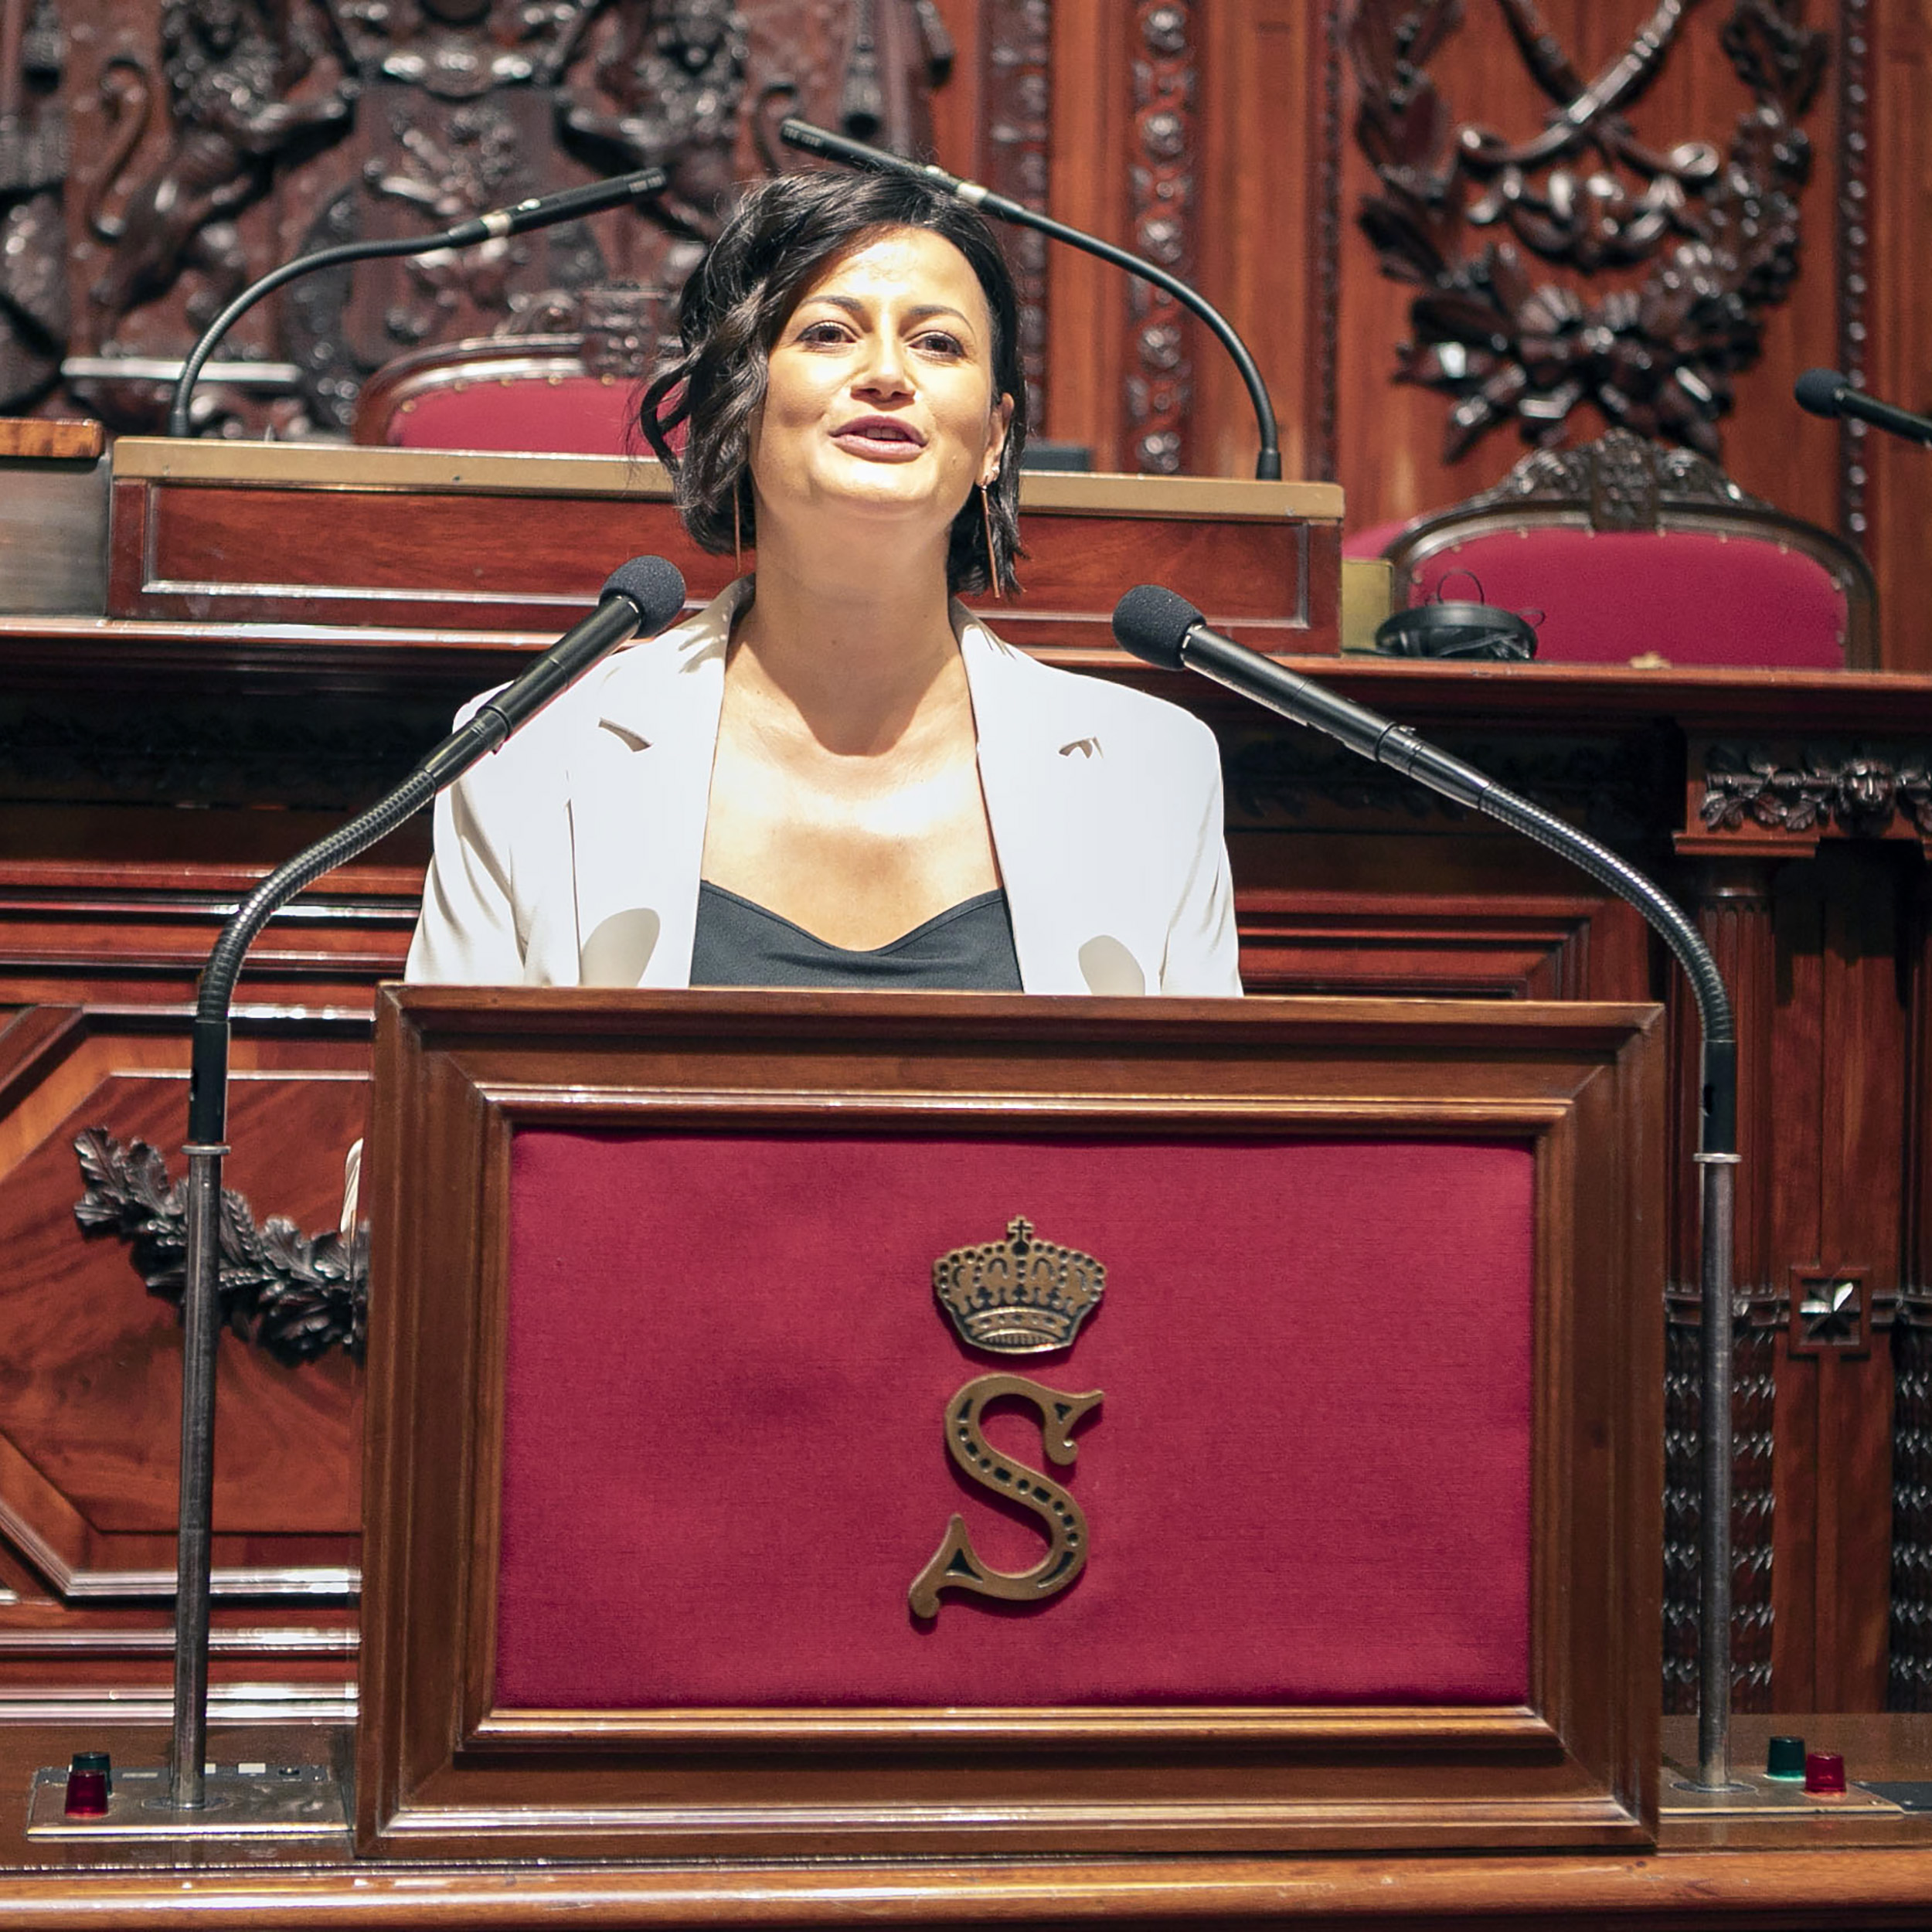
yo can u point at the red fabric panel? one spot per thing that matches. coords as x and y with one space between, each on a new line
1609 595
726 1371
579 415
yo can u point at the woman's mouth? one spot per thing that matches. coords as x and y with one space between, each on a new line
879 439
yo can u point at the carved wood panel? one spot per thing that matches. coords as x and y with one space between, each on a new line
156 158
1277 180
90 1404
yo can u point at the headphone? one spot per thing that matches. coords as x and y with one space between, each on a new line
1457 630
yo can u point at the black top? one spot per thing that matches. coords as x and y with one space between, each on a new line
968 948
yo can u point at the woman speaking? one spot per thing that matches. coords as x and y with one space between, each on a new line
834 775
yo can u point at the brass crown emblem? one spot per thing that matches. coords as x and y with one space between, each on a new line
1018 1296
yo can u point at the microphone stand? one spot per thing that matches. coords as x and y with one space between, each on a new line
648 591
539 211
856 153
1379 740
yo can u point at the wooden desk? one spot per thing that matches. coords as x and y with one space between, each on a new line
271 531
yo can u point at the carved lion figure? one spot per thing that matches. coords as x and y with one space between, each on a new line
229 66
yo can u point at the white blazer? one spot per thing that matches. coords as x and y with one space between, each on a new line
571 856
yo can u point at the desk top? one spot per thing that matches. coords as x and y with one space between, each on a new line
336 466
1807 1881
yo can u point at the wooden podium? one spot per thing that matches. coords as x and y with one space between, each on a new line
662 1390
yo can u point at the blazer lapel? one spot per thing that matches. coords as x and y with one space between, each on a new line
1043 772
640 784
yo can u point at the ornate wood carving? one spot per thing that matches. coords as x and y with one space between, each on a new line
34 303
1714 234
1319 456
1854 183
230 69
226 135
298 1296
1909 1685
1624 481
1019 96
1753 1401
1854 787
668 94
1159 388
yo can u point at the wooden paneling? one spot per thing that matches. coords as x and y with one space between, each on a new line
1898 342
1271 184
426 537
1834 1144
98 959
1277 182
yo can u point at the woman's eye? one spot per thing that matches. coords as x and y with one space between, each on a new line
938 342
822 333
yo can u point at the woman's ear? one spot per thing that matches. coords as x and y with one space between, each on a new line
996 425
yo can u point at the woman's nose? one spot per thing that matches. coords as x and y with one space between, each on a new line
884 370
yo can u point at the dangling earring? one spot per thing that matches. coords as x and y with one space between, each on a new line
992 556
737 529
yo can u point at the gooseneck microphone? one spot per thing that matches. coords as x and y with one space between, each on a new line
1825 393
856 153
1164 629
540 211
643 595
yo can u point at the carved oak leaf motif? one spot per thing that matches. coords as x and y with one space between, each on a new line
294 1294
1716 234
1853 787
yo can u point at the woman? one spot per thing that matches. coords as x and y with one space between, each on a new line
833 775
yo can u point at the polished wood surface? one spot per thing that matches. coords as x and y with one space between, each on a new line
1805 1883
61 440
266 532
443 1772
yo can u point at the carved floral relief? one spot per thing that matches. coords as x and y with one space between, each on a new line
1674 256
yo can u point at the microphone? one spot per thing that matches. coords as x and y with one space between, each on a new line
544 211
1155 624
643 594
856 154
1825 393
1163 628
540 211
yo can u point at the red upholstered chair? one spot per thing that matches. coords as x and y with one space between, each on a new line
532 393
1633 552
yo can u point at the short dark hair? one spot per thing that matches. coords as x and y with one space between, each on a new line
782 234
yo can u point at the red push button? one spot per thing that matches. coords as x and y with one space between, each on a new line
87 1774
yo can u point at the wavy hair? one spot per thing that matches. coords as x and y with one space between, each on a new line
784 232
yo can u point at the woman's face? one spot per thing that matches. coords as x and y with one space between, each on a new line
880 400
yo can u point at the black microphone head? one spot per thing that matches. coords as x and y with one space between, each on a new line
1153 622
655 586
1819 390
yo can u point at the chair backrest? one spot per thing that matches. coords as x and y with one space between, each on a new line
530 393
1633 552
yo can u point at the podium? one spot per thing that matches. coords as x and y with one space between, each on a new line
665 1400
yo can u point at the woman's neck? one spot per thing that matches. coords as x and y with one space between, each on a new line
858 640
